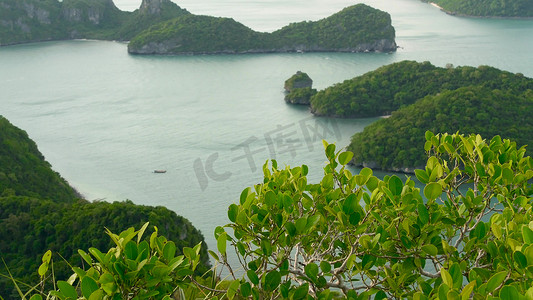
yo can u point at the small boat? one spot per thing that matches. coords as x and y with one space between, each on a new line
160 171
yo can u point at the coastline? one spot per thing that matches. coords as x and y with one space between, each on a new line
456 14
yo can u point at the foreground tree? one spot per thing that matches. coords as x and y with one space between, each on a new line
467 234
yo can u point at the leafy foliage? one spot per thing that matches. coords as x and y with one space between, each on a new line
382 91
488 8
41 225
396 143
466 234
356 28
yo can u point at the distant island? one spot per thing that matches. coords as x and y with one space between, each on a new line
162 27
39 211
357 28
487 8
415 97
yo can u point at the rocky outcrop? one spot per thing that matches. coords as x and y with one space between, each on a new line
152 7
299 89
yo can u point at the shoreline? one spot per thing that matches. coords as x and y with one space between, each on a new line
456 14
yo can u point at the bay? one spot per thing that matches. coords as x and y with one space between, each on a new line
106 120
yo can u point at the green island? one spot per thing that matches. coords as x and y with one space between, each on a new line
487 8
162 27
357 28
299 89
397 143
388 88
414 97
39 211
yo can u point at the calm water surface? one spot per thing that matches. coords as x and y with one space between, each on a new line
106 120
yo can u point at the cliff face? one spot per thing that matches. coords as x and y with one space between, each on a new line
36 20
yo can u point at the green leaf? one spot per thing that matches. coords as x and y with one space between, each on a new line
300 224
270 198
233 211
325 266
36 297
430 249
330 151
272 280
453 295
432 190
345 157
423 214
520 259
246 289
350 204
527 234
68 290
509 292
395 185
446 278
253 277
169 251
221 243
88 286
291 229
422 176
232 289
311 270
495 281
141 232
467 290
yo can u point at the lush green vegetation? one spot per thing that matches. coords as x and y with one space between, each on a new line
23 170
391 87
467 234
36 20
397 142
356 28
348 30
39 211
488 8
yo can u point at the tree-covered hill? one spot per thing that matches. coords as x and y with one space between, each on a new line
355 29
23 170
397 143
391 87
39 211
488 8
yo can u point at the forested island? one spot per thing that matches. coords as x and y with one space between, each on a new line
357 28
415 97
162 27
487 8
39 211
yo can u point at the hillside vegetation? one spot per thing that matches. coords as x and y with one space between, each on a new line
488 8
355 29
39 211
43 20
397 143
388 88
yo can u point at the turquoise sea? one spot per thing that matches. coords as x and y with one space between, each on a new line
106 120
